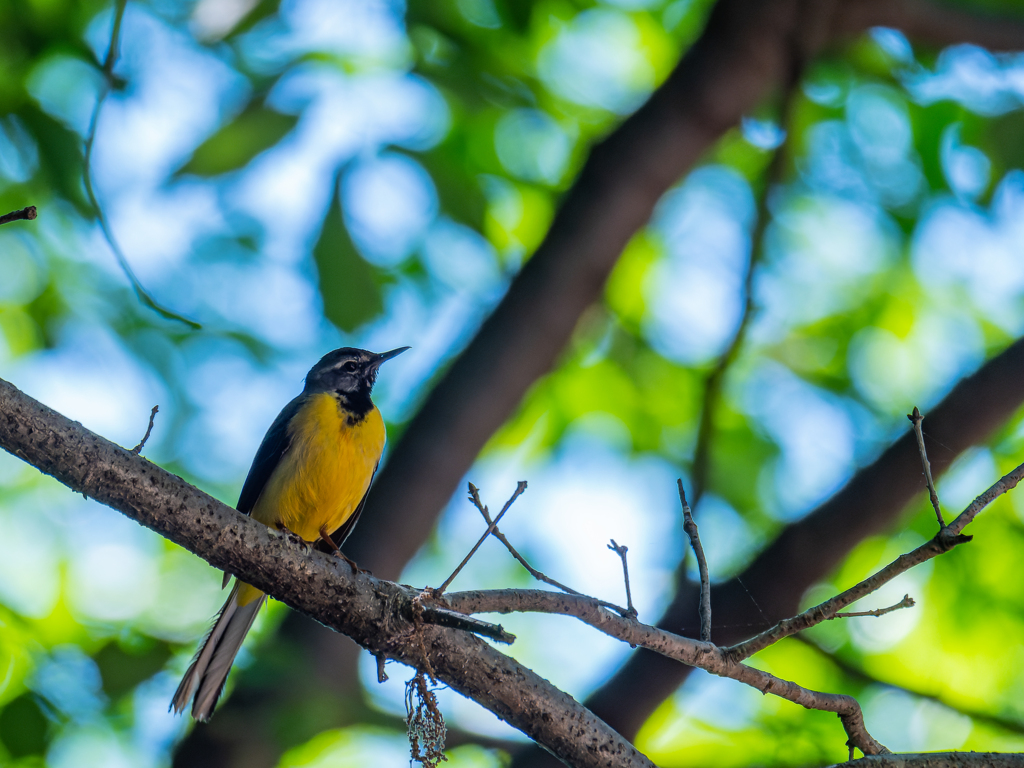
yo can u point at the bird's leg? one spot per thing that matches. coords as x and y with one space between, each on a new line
292 536
336 550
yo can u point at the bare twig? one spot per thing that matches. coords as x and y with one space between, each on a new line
90 141
621 552
916 418
1006 483
947 538
806 551
704 655
382 676
442 617
906 602
520 488
474 496
826 610
861 675
152 417
25 214
715 380
690 527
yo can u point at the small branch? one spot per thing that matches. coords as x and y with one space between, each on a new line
715 380
861 675
690 527
938 760
152 417
520 488
828 609
442 617
90 141
916 418
621 552
704 655
906 602
25 214
1006 483
474 496
947 538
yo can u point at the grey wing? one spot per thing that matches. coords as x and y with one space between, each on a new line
275 444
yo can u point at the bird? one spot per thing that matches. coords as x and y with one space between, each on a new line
310 477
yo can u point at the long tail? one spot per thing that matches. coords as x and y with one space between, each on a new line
208 671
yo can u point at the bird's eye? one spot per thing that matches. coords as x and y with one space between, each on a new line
349 367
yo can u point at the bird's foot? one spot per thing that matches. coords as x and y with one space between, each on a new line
294 537
337 551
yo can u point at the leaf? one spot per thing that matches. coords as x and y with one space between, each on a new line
255 130
350 292
60 156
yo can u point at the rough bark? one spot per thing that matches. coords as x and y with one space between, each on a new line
740 58
938 760
374 613
771 587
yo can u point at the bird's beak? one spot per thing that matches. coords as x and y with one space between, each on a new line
387 356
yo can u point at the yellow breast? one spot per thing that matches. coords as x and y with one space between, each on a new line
326 470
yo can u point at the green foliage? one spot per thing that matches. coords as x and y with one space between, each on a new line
863 306
23 727
255 129
349 291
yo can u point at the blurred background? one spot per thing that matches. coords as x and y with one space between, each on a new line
287 177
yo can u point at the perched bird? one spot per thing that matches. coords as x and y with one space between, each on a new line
310 476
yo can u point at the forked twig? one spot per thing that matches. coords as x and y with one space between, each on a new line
520 488
690 527
916 418
474 496
947 538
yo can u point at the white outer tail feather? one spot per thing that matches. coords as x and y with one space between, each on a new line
209 669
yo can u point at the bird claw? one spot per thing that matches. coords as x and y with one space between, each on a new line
295 538
337 551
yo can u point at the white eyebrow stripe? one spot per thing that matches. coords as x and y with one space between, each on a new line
339 365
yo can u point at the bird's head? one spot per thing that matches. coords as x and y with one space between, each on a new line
347 371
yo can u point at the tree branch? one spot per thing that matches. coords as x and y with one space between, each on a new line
938 760
739 59
807 550
370 611
933 23
916 418
863 676
707 656
25 214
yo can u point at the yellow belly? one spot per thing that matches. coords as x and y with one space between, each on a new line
325 472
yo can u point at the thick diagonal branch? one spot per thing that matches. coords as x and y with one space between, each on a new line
740 58
371 612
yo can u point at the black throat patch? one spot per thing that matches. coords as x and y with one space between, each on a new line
354 405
